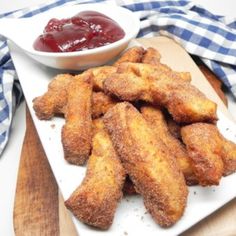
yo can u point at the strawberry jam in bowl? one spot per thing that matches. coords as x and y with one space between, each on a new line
86 30
82 36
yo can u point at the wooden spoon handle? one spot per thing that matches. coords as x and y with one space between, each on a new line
36 200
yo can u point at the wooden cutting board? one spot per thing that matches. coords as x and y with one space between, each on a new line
39 208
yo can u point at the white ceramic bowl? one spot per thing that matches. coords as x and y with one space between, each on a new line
27 30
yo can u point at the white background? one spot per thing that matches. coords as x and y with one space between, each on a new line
9 161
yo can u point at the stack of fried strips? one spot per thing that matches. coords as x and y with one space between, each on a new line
140 127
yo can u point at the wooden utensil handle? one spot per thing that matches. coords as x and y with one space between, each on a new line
36 199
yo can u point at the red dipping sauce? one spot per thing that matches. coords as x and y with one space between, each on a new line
86 30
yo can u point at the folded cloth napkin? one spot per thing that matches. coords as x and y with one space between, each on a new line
210 37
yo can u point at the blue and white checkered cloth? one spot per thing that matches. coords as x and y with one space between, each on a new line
210 37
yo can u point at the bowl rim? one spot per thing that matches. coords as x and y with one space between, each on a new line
128 35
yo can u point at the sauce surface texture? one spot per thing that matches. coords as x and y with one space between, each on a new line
86 30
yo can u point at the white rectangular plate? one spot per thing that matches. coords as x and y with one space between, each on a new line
131 217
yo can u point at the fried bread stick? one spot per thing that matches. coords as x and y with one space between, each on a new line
205 148
152 169
229 157
156 121
145 70
77 131
101 103
99 74
133 54
152 57
134 81
54 100
128 187
95 201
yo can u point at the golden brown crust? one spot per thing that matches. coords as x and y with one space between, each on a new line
184 102
185 76
204 146
95 201
229 157
156 121
133 54
151 168
54 100
151 56
101 103
77 131
99 74
127 87
135 81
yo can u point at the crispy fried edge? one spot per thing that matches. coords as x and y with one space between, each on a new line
229 157
54 100
133 54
